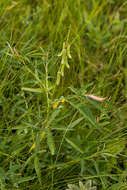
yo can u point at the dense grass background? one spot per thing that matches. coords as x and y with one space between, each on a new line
51 134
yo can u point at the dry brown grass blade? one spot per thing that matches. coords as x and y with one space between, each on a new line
96 98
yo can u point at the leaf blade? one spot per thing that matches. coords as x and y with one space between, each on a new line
50 141
74 146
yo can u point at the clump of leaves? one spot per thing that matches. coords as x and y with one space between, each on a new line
86 186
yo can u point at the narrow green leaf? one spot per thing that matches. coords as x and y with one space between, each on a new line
31 158
38 90
76 147
37 169
24 179
35 76
82 165
87 114
37 142
50 141
74 90
53 116
28 160
76 122
115 94
95 104
61 128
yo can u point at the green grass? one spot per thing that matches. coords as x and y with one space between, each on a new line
52 54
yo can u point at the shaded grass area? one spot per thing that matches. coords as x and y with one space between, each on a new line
53 53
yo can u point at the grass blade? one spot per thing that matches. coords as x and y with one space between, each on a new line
37 169
38 90
76 147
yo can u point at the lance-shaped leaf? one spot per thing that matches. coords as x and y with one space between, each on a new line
76 147
38 90
85 111
50 141
37 169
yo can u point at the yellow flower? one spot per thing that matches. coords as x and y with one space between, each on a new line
63 100
55 105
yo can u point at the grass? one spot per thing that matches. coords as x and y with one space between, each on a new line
52 54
